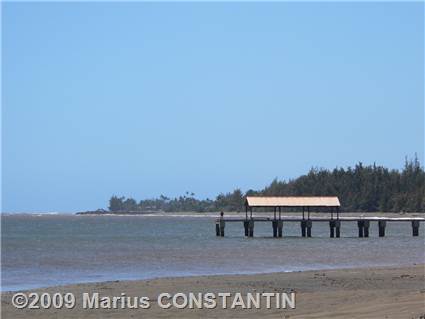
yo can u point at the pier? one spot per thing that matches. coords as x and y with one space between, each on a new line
326 205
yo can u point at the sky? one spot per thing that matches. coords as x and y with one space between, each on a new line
143 99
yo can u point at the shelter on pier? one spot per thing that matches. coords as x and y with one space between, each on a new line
302 202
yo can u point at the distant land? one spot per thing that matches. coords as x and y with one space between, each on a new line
360 188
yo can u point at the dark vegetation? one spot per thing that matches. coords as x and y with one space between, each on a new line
361 188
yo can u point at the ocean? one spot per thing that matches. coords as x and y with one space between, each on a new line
48 250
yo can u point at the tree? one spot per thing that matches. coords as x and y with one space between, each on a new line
362 188
116 204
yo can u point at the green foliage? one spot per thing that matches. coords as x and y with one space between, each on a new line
362 188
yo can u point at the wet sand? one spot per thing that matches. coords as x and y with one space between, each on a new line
350 293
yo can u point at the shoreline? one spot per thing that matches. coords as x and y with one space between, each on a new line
171 277
370 292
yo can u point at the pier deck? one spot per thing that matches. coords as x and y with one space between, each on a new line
363 224
325 219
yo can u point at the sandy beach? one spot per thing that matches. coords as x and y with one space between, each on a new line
346 293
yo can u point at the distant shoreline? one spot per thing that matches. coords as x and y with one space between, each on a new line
287 214
105 212
206 214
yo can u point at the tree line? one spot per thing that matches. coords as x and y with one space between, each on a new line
367 188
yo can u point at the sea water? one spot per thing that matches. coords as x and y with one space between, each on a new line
48 250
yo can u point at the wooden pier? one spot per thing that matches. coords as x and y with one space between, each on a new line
330 205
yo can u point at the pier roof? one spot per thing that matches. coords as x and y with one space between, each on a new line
292 201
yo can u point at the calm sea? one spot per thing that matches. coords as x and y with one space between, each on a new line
47 250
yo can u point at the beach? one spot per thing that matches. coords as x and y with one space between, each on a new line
385 292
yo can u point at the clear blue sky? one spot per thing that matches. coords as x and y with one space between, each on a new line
143 99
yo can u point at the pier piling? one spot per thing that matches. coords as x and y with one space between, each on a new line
274 225
309 225
381 226
222 225
360 225
306 225
331 228
279 228
251 228
303 227
366 225
337 228
415 227
246 227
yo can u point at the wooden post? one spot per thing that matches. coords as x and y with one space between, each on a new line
360 224
331 229
303 212
338 228
366 224
309 225
222 225
245 226
245 223
415 227
279 228
217 228
303 227
274 225
332 213
251 228
381 226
